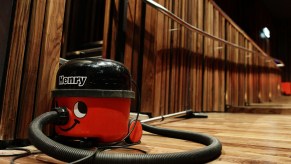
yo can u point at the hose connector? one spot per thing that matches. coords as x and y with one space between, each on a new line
63 115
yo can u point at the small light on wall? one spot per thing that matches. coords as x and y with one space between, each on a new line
219 48
279 63
265 33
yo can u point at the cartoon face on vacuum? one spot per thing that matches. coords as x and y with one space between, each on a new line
80 111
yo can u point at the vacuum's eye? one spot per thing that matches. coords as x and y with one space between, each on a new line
80 109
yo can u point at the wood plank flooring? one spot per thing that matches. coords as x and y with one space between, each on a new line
246 138
280 105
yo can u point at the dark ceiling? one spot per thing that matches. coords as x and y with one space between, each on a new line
279 9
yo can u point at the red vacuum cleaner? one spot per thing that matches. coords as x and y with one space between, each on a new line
97 96
92 102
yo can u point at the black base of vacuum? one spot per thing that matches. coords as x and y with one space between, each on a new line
14 143
83 142
75 142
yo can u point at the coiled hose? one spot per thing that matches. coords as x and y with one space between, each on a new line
211 151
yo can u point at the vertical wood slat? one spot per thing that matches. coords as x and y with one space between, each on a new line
173 47
106 37
269 81
114 33
208 59
136 41
130 56
200 44
211 57
216 71
129 34
247 56
111 43
158 67
261 79
27 97
170 88
228 66
245 72
241 70
235 79
231 68
250 76
255 78
6 14
188 37
49 60
165 61
206 47
177 52
188 46
147 88
182 64
14 70
221 66
191 45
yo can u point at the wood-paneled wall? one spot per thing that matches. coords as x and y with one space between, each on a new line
33 62
176 69
180 69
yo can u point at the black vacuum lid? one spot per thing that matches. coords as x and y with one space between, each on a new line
93 77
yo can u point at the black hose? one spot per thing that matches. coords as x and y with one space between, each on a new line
59 151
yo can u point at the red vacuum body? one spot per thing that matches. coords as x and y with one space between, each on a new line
97 94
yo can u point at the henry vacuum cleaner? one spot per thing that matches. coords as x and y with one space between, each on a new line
93 97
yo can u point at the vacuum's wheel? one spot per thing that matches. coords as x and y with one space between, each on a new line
136 133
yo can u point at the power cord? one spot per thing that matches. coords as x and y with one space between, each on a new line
26 153
137 109
87 157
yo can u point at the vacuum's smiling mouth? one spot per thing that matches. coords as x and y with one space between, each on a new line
75 123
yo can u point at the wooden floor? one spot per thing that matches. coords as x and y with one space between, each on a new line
246 138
